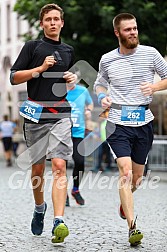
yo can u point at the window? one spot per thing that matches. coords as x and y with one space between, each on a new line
18 26
8 23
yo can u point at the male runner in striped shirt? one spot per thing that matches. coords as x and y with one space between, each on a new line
124 83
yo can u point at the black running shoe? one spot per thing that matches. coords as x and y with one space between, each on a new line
37 223
59 232
135 236
77 196
9 163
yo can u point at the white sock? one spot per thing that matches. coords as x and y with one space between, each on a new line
59 217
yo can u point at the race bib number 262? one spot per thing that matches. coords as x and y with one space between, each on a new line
133 114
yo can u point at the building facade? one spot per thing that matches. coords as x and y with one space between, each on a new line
12 27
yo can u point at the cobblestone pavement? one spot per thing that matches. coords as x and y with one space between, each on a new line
94 227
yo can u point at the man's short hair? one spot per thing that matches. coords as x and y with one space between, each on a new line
48 7
122 16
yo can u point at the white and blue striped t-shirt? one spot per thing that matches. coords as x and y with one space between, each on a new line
122 76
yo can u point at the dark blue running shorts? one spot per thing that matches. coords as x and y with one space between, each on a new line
7 143
134 142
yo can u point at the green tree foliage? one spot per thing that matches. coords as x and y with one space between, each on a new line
152 22
88 25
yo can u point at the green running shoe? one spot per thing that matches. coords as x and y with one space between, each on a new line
59 232
135 236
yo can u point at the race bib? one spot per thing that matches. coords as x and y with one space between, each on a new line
31 110
133 114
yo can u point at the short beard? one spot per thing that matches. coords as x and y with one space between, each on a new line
127 44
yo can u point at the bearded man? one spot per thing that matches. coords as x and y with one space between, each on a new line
124 85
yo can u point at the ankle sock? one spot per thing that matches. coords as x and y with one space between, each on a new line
57 217
75 189
40 208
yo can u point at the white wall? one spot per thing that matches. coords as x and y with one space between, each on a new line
10 44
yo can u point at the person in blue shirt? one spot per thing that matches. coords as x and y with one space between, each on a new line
7 128
81 103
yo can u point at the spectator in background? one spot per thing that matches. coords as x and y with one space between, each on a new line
17 136
82 105
7 128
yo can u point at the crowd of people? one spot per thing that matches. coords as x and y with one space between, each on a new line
56 108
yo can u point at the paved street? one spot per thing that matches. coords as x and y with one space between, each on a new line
94 227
